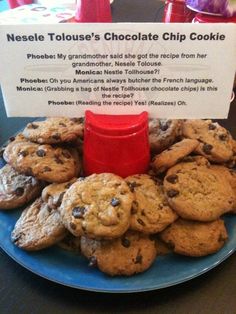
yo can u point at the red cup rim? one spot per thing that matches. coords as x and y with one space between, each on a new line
115 125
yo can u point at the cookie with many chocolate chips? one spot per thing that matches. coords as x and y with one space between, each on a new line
194 238
54 193
132 253
150 210
163 133
198 192
38 227
98 206
54 130
173 154
17 189
52 164
215 142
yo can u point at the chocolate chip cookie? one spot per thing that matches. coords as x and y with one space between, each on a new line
98 206
52 164
198 192
150 210
173 154
132 253
54 130
194 238
163 133
17 189
215 141
38 227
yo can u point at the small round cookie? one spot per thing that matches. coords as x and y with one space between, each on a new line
54 193
17 189
52 164
215 141
163 133
54 130
150 211
173 155
198 192
38 227
131 254
194 238
98 206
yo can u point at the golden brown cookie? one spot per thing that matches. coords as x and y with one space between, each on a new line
54 130
197 192
132 253
38 227
194 238
163 133
150 211
53 193
52 164
215 141
17 189
173 154
98 206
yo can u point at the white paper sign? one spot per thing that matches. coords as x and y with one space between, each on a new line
169 70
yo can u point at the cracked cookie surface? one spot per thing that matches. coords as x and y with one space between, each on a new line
150 210
97 206
54 130
132 253
193 238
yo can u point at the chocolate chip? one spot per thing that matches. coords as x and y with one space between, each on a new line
58 160
73 226
164 126
211 126
41 153
223 137
92 261
32 126
62 124
138 259
78 212
56 137
132 185
125 242
172 193
141 222
172 178
68 185
115 202
47 169
19 191
59 200
207 148
77 120
12 139
28 172
23 153
66 154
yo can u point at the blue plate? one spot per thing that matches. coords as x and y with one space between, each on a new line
72 270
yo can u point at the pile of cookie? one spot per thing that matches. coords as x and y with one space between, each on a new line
121 224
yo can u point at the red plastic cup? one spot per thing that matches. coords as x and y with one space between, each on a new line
207 18
176 12
17 3
116 144
93 11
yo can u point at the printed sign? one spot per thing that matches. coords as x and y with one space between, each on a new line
169 70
